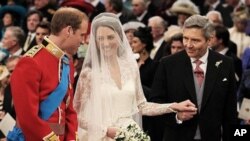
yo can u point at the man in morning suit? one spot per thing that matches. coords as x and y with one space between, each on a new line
204 77
43 97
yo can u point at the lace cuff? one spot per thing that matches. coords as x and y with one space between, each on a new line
154 109
172 110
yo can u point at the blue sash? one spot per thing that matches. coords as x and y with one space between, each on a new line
49 105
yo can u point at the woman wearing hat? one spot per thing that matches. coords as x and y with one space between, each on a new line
9 18
11 15
183 10
142 43
129 29
237 32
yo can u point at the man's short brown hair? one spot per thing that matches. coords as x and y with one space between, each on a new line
67 16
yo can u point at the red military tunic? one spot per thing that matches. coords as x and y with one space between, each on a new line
35 77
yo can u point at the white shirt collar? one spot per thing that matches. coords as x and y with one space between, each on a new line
203 59
94 2
18 52
224 51
215 4
32 35
139 18
119 14
158 43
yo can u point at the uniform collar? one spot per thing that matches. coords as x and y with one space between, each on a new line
52 48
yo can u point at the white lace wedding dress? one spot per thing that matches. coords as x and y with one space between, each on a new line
109 91
126 101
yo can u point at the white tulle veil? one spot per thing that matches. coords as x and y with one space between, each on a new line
92 101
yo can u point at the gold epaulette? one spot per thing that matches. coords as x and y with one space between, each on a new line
33 51
4 72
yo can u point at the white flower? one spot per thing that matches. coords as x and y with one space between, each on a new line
218 63
131 133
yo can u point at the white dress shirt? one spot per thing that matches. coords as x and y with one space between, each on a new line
157 45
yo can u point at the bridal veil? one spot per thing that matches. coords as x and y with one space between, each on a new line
92 100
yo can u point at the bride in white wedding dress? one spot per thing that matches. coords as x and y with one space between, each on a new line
109 90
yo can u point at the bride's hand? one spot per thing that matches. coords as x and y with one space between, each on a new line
186 105
111 132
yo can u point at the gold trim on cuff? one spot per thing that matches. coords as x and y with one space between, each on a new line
51 137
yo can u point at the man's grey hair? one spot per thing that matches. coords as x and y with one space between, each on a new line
201 22
215 13
159 20
18 34
145 3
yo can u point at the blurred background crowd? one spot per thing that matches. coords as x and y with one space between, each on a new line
153 28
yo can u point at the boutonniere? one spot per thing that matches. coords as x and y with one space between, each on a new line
218 63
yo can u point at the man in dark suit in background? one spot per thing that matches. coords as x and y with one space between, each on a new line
224 9
202 76
34 17
220 43
142 11
216 18
116 7
158 26
98 8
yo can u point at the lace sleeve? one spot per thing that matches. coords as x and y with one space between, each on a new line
81 95
154 109
149 108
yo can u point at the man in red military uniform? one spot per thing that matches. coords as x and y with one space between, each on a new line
44 78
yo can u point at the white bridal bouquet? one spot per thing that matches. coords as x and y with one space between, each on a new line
131 133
